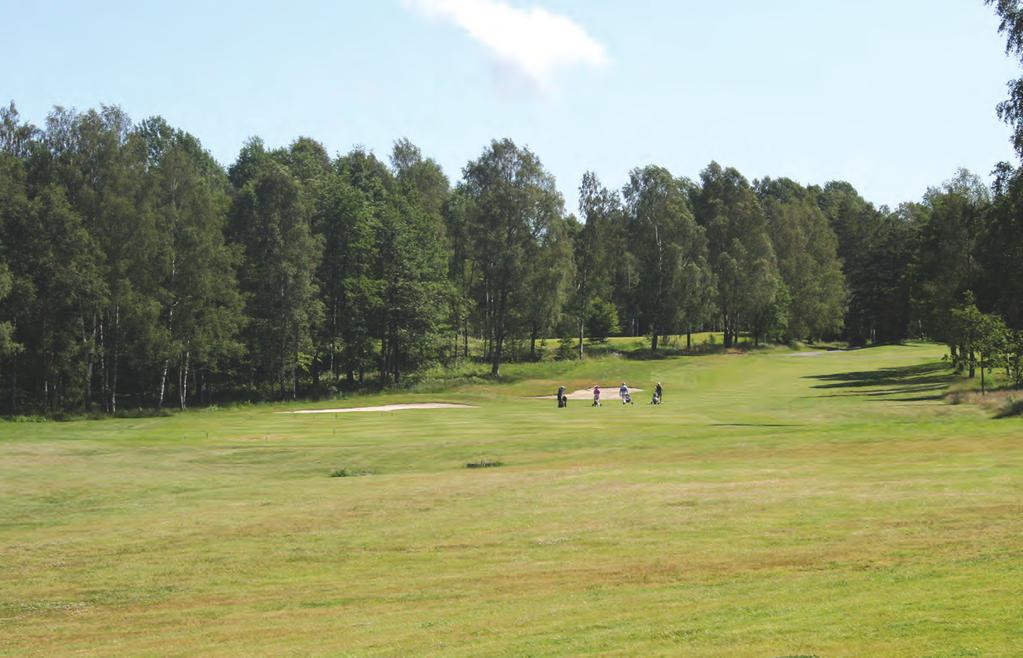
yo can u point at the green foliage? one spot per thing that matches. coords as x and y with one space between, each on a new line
512 205
602 320
347 472
1011 110
269 220
977 338
669 250
877 249
814 293
134 269
484 463
946 266
740 251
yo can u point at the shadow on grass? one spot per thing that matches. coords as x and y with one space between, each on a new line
1013 409
926 380
755 425
646 354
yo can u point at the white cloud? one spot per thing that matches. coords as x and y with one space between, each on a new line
534 44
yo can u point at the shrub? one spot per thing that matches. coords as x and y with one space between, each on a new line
602 320
1011 408
484 463
347 472
29 419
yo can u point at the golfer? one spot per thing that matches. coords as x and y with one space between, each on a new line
596 396
623 393
562 398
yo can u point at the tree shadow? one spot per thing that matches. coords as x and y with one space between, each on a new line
755 425
916 383
1012 410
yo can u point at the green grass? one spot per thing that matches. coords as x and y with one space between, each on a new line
775 505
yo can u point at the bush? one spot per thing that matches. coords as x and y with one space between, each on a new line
347 472
1011 408
484 463
28 419
602 320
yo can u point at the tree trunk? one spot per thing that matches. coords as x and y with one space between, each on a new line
495 366
183 383
581 327
653 340
532 344
689 339
115 359
90 359
163 383
396 358
103 364
294 376
973 364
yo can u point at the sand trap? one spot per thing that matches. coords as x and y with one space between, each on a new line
606 393
805 354
384 407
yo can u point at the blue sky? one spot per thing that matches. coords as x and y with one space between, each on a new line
891 95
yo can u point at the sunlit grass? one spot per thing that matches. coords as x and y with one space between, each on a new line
774 505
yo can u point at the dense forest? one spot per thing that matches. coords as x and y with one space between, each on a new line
135 270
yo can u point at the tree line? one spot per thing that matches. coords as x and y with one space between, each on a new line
136 270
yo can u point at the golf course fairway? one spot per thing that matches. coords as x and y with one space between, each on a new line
830 505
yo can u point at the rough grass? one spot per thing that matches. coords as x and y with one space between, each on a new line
830 506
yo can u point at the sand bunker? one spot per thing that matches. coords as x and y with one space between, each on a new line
385 407
606 393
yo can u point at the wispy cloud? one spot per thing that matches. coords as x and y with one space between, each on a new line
532 44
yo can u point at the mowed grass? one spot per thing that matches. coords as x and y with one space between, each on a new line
777 504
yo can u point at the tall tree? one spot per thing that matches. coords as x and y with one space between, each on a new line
669 249
62 283
1000 249
946 264
270 221
412 264
876 248
1011 110
513 202
807 251
97 160
549 281
342 217
741 254
602 214
200 304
